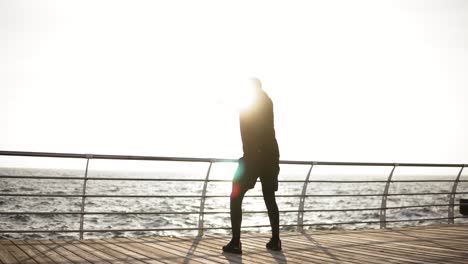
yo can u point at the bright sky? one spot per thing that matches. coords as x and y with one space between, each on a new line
350 80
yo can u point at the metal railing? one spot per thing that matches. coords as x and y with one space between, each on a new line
201 212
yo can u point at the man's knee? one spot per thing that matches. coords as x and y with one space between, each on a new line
268 195
237 192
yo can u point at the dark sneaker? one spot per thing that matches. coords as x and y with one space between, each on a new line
233 247
274 244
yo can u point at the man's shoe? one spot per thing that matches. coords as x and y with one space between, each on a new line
274 244
233 247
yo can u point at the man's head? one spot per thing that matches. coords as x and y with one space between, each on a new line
247 93
256 84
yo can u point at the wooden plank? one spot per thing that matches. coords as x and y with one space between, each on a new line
307 251
123 250
213 250
322 252
70 256
410 235
416 247
313 247
6 257
161 255
199 252
436 234
258 248
374 245
216 244
303 251
253 252
398 252
163 244
402 237
98 253
420 240
98 245
444 233
51 254
16 252
403 250
202 251
427 249
38 256
360 254
149 257
88 256
429 255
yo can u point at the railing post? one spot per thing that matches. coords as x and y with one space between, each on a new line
451 208
383 206
300 211
201 216
83 198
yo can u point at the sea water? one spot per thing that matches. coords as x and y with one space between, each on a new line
174 206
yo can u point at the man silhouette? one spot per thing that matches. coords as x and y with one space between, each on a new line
260 159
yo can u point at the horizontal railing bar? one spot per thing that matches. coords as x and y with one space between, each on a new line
112 230
97 178
335 210
342 195
216 196
202 180
373 208
100 196
379 181
39 213
40 177
223 212
185 159
377 222
217 228
185 213
438 193
125 196
39 231
417 206
120 179
99 230
104 156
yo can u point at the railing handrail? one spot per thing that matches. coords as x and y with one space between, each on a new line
215 160
216 196
203 180
383 208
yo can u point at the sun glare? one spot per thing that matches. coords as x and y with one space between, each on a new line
240 96
245 98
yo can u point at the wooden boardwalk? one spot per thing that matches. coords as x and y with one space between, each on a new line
431 244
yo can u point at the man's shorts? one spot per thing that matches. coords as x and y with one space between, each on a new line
248 171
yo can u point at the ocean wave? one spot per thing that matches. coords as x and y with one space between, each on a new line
28 189
21 218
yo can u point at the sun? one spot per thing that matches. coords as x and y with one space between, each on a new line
241 95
